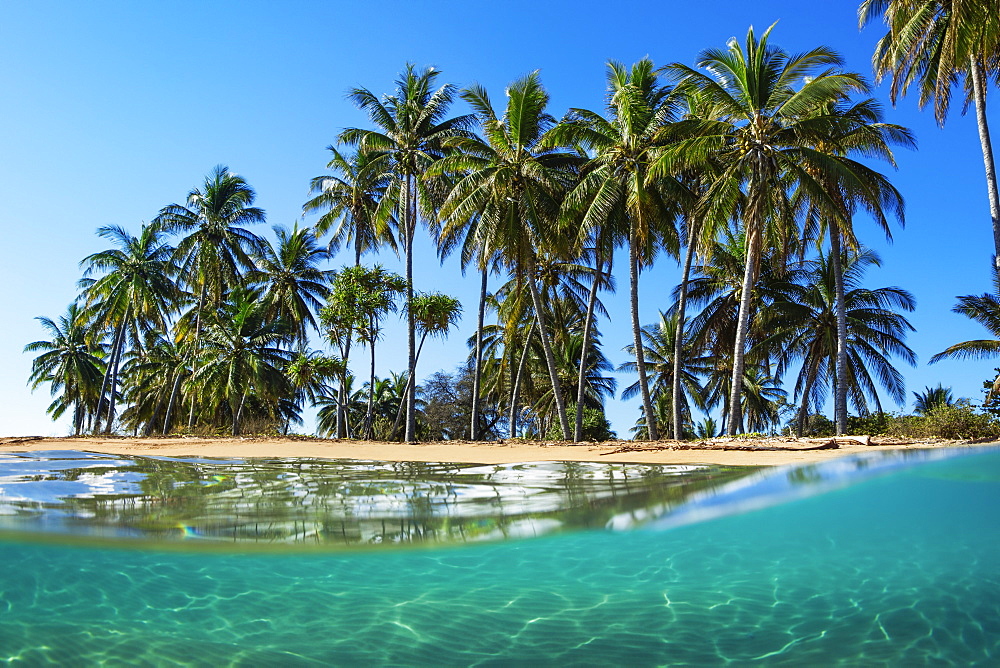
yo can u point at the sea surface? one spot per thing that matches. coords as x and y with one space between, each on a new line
888 559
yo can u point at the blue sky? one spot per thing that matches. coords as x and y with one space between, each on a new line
112 110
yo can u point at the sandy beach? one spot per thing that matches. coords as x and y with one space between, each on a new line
737 452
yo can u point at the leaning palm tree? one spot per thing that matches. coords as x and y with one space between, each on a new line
514 185
70 362
616 191
135 294
411 126
935 44
763 146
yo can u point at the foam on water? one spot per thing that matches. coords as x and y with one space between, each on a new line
896 569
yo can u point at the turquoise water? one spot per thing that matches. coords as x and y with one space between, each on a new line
857 562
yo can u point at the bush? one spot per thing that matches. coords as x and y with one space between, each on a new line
960 421
595 425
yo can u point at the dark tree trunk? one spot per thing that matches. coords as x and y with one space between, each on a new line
477 369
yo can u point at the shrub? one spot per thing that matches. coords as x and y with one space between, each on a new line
595 425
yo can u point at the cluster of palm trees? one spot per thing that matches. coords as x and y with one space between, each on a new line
748 168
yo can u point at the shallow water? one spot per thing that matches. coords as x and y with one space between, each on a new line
895 563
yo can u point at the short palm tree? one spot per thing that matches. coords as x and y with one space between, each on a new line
70 362
659 346
242 358
931 398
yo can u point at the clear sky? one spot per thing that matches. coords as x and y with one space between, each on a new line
112 110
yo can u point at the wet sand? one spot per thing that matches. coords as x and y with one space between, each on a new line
719 451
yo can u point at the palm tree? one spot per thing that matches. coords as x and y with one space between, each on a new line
931 398
353 203
70 362
435 313
617 190
660 348
806 330
856 128
242 358
763 145
215 249
984 309
514 185
293 285
935 44
152 378
411 127
134 295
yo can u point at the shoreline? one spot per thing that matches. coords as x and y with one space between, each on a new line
750 452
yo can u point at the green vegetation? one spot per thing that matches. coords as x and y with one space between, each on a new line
746 168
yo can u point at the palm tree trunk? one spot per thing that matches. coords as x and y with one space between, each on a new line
550 360
477 371
742 329
409 388
679 332
115 360
516 387
107 376
194 349
173 399
584 353
640 359
411 340
369 414
979 94
840 309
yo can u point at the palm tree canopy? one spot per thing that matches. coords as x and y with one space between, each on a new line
215 249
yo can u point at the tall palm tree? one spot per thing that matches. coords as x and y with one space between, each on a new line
411 126
215 249
135 294
763 144
856 128
617 190
935 44
294 287
514 185
70 362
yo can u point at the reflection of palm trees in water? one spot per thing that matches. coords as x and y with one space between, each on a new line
361 502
